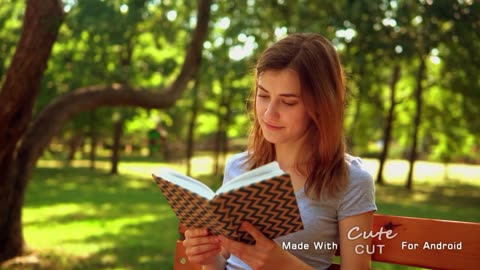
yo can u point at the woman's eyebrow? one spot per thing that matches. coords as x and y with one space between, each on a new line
282 95
262 88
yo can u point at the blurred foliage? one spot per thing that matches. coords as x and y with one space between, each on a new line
142 43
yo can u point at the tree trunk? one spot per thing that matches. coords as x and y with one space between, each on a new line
224 113
191 127
387 131
117 135
226 124
22 83
362 89
219 135
217 146
416 124
73 144
92 156
93 141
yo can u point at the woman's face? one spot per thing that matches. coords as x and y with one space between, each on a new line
280 110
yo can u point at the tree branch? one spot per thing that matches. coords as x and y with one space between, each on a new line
58 112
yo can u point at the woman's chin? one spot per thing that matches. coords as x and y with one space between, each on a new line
273 139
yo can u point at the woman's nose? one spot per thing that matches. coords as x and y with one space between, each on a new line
272 111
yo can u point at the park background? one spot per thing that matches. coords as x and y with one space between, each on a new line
94 100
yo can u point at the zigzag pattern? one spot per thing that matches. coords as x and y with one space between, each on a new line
270 205
191 209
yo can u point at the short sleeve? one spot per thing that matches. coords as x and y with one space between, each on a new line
234 166
359 196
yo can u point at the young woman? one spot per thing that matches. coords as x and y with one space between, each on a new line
299 101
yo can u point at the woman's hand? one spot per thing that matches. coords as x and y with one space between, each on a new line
201 246
265 254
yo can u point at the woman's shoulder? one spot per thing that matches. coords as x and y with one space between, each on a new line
358 174
236 165
359 195
237 160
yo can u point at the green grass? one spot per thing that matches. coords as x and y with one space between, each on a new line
101 221
75 218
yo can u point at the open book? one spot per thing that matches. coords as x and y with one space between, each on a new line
263 196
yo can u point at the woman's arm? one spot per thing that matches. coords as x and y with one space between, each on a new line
265 254
351 231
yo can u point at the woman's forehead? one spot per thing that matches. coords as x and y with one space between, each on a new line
285 80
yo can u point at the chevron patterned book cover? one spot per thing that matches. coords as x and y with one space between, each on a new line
263 196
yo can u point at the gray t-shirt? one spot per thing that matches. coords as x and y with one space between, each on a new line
320 217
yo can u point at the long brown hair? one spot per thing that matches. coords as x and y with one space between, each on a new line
323 89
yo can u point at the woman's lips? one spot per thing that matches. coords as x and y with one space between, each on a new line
270 126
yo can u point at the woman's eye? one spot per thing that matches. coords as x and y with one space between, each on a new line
289 103
262 96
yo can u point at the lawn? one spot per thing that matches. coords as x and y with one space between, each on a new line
76 218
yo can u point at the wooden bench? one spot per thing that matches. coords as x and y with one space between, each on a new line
452 244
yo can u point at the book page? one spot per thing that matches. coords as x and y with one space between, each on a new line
185 182
261 173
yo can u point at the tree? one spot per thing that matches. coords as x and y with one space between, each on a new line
436 25
419 89
191 126
22 84
388 126
25 140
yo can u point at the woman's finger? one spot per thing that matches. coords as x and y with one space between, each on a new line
253 231
196 232
237 248
195 241
201 249
200 258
